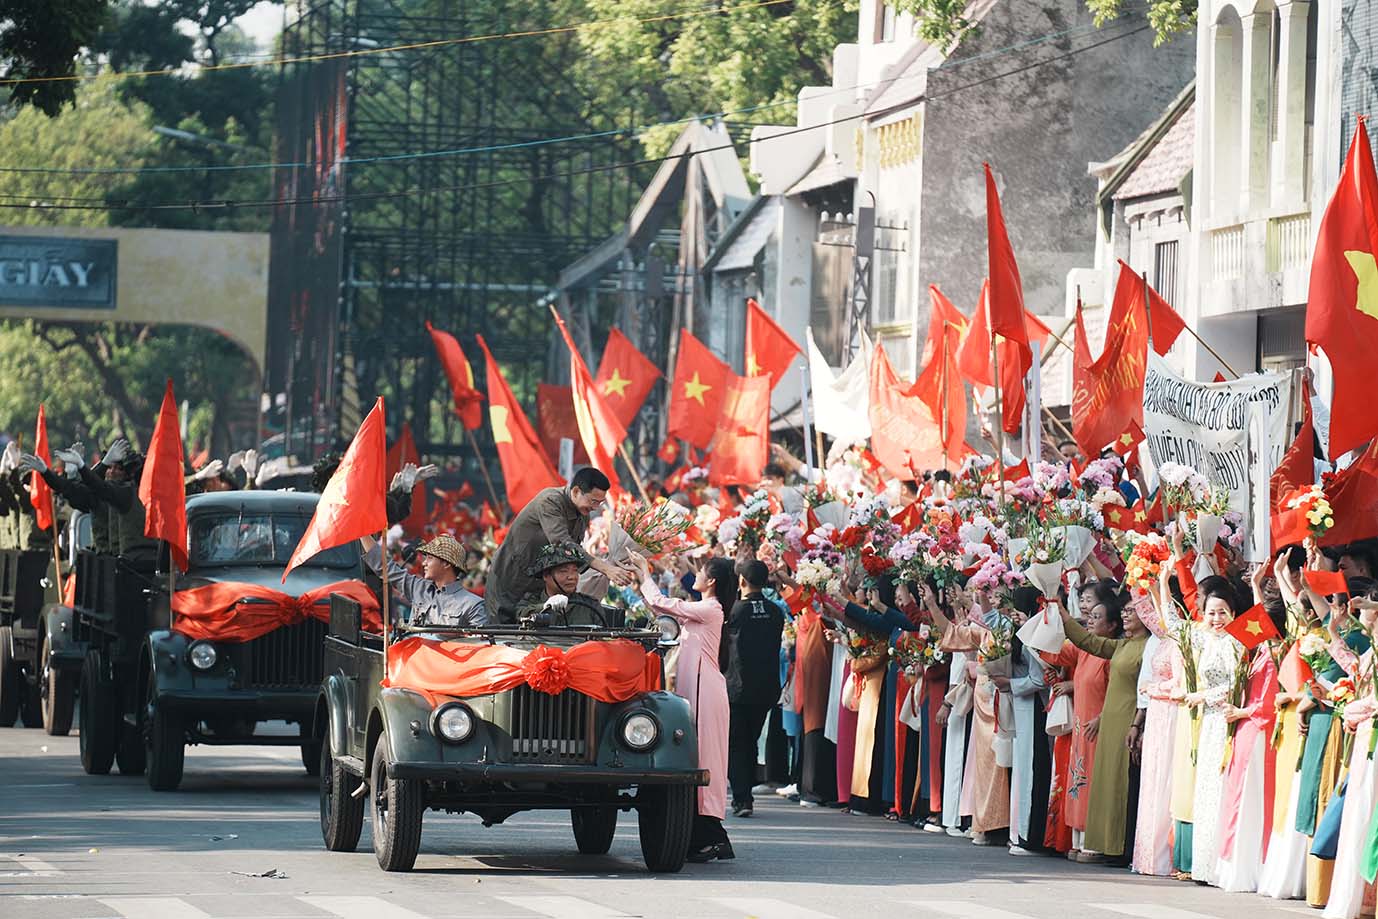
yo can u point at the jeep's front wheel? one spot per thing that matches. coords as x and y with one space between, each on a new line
594 828
665 818
166 743
99 720
398 806
342 814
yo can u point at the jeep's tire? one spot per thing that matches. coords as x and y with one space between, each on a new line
594 828
98 722
11 683
311 757
165 740
57 691
342 814
398 806
665 819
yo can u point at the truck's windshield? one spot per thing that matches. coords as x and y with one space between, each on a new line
258 539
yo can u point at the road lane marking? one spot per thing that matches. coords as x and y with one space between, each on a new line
153 908
767 908
360 908
1151 911
564 907
967 909
33 867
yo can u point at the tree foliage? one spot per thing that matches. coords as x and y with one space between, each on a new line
944 22
41 40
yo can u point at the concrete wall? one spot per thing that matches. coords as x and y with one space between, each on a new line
1038 129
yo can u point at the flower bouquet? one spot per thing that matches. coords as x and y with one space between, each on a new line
1144 562
748 528
1079 520
1314 508
648 529
907 653
995 659
1043 560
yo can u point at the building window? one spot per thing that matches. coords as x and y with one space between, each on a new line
1165 270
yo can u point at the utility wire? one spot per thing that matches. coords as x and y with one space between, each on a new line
516 145
30 201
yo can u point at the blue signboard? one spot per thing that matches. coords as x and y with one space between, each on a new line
42 271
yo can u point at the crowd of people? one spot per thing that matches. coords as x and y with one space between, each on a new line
870 643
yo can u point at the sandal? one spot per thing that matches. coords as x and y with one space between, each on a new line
892 816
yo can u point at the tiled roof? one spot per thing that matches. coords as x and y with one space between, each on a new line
1167 162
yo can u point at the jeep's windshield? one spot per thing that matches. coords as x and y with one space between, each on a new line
257 539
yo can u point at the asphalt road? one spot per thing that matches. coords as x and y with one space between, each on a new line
242 839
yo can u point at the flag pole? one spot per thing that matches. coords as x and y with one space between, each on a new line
483 468
384 561
804 393
942 399
999 410
636 476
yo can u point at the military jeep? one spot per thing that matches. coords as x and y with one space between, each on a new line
402 752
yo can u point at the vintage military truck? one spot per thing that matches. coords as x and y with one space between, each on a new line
25 580
156 679
403 751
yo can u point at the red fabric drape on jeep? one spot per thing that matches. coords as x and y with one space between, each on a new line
236 611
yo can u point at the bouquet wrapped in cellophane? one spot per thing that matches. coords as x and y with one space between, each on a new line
648 529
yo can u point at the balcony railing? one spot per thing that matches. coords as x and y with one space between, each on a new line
1289 242
1227 253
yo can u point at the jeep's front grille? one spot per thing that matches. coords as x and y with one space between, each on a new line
285 658
553 729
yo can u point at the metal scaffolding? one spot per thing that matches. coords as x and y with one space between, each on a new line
472 242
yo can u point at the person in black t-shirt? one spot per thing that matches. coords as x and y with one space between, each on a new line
750 659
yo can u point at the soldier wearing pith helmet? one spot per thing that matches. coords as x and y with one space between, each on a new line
437 597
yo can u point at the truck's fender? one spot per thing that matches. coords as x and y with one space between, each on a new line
396 712
64 650
165 661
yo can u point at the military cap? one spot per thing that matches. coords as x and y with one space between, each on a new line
555 554
446 548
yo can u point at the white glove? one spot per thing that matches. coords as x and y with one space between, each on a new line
118 452
235 461
405 479
428 471
208 471
72 458
30 463
251 464
9 459
558 601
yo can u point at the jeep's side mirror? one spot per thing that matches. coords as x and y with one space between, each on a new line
669 632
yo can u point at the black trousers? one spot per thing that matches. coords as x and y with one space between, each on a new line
1131 818
743 733
818 772
707 831
1042 779
778 748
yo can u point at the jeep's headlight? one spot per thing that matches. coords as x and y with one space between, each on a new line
453 722
640 731
203 655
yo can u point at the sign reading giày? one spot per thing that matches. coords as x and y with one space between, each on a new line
1208 426
44 271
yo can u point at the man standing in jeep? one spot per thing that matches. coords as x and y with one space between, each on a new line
554 515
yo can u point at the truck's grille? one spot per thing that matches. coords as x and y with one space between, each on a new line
552 729
285 658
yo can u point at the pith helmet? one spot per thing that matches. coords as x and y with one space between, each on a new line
446 548
555 554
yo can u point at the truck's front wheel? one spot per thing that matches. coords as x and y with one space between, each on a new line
594 828
59 695
11 683
398 806
166 744
342 814
98 720
665 818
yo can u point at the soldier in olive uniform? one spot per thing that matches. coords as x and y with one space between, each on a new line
558 565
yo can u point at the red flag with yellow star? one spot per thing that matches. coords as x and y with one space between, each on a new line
769 349
468 400
1253 627
1342 303
939 385
525 467
697 392
599 428
741 445
1140 518
1006 300
625 377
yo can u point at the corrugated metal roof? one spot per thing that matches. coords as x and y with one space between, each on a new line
742 248
1167 161
827 171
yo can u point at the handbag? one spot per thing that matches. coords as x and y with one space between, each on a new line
1059 717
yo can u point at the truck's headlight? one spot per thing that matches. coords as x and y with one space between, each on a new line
453 722
203 655
640 731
